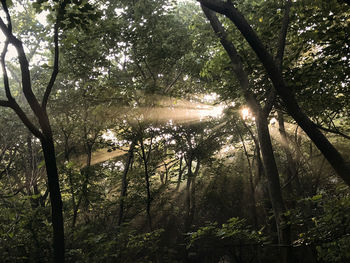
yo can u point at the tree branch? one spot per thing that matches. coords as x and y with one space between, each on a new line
55 69
11 103
279 56
26 80
5 103
59 18
235 59
12 195
4 72
21 114
283 35
8 18
333 131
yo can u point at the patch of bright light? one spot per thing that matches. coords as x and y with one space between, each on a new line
211 98
273 121
109 136
245 112
211 111
41 17
217 111
118 11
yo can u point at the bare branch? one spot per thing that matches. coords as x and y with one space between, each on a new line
5 103
150 71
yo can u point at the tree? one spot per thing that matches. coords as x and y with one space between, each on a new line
153 147
270 166
44 133
43 130
275 74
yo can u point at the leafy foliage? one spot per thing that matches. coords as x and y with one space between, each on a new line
213 242
328 222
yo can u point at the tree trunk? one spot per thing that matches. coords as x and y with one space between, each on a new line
292 173
55 198
148 201
123 193
271 171
188 194
70 180
259 166
166 172
179 178
86 172
74 205
251 180
193 194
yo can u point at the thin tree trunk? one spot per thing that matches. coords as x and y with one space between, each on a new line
259 164
193 195
67 152
166 172
124 191
74 205
188 193
148 201
251 180
86 172
29 173
292 173
179 175
271 172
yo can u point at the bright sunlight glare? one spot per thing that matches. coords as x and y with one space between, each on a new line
245 112
211 111
174 109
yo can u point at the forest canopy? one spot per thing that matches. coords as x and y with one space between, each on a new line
175 131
